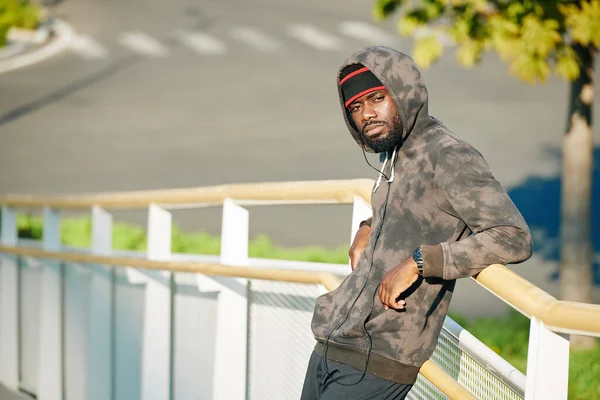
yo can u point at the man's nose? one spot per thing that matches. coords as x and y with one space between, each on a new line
368 114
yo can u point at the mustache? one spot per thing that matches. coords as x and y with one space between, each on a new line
372 123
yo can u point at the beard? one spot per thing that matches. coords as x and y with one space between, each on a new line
387 142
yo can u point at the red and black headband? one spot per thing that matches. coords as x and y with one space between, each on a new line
356 81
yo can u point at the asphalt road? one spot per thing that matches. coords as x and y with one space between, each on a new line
193 111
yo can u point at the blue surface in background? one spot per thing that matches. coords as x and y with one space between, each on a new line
539 200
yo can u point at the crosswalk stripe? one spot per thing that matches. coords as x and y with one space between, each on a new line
314 37
364 31
202 43
88 48
255 38
143 44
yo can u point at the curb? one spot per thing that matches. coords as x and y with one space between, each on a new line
63 36
12 50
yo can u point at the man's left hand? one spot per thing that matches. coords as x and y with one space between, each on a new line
396 281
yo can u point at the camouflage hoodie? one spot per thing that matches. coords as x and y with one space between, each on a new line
440 190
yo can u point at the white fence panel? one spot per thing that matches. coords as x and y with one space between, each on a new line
51 362
29 321
280 338
129 329
9 303
195 314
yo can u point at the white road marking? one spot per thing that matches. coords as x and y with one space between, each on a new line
314 37
88 48
64 35
367 32
144 44
202 43
255 38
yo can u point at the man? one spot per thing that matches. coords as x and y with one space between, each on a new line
438 215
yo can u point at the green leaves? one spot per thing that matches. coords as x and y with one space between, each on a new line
433 9
567 65
469 53
533 37
539 37
427 50
408 24
384 8
583 22
530 68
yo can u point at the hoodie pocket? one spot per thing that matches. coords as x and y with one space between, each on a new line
339 307
426 327
390 328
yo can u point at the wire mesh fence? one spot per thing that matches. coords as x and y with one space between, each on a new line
280 343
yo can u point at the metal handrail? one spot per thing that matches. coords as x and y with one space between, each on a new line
559 316
522 295
263 193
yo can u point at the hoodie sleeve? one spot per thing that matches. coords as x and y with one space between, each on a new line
468 190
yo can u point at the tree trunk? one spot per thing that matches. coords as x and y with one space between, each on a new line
576 241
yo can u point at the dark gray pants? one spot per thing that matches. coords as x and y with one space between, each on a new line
341 385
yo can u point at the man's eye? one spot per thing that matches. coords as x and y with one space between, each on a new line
379 98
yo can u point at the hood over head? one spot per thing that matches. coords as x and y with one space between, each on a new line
402 79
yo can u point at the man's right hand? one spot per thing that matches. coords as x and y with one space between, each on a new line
361 239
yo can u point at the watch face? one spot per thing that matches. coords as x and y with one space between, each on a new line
417 254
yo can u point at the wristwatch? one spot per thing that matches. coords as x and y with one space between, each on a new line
418 257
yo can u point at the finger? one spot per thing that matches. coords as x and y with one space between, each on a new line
389 298
382 296
399 305
394 295
354 258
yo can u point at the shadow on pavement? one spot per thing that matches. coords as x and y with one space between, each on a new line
199 21
538 199
67 90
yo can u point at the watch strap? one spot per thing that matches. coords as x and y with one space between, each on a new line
418 257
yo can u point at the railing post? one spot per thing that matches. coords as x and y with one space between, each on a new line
156 345
361 210
547 364
50 367
9 303
100 320
231 339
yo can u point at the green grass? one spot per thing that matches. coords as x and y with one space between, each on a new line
506 336
77 232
